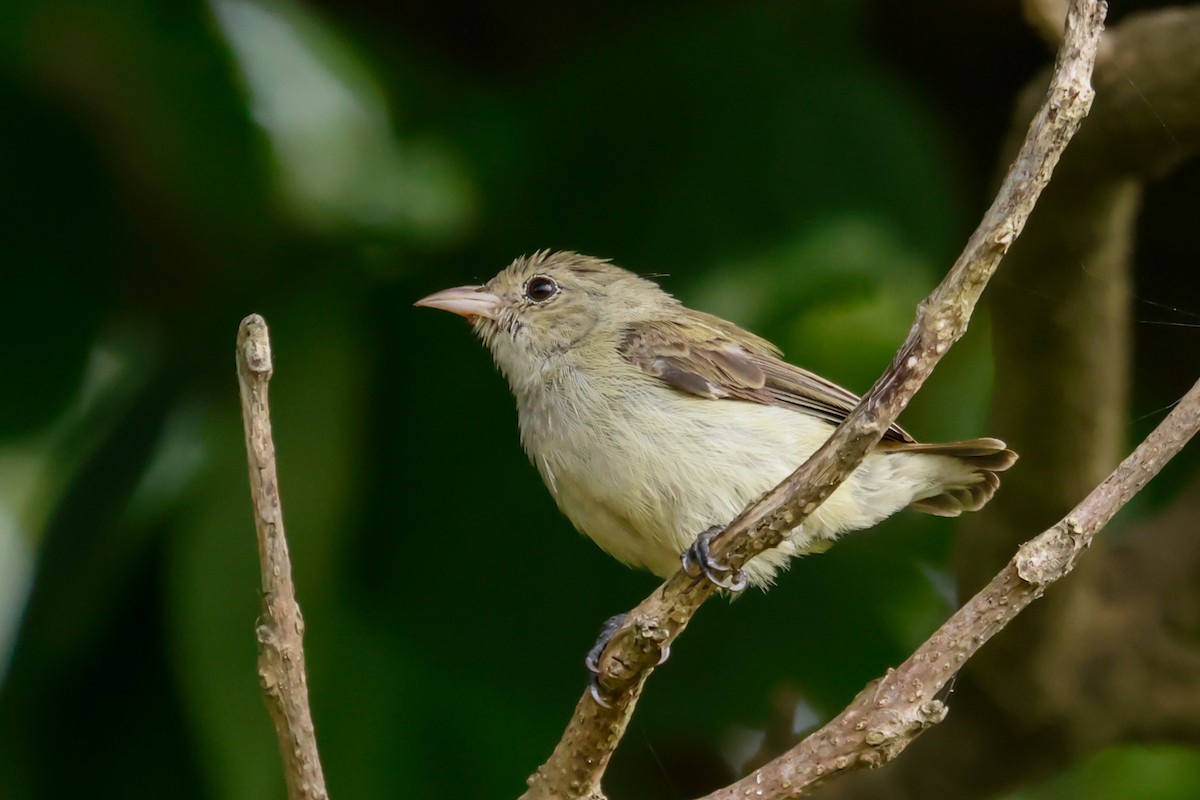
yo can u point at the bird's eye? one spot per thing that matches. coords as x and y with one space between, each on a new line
540 288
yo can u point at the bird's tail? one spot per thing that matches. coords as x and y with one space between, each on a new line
970 477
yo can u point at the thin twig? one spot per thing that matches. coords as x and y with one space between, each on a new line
576 766
280 629
894 710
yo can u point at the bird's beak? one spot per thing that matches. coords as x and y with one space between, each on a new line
466 301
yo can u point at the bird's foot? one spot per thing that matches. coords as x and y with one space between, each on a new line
697 560
592 660
607 631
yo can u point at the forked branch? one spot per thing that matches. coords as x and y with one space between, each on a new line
576 766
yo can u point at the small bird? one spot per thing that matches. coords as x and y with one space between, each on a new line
653 424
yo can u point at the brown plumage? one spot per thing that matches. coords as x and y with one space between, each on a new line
711 358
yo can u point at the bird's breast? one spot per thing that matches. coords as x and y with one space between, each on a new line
641 468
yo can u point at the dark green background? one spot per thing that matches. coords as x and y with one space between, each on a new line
808 169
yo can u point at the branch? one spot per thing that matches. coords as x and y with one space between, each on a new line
1079 252
1061 319
889 714
575 768
280 629
1062 314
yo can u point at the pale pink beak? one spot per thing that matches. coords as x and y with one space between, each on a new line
466 301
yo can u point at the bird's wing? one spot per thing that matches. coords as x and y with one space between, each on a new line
708 357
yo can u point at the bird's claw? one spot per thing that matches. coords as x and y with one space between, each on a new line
607 631
697 560
594 688
592 660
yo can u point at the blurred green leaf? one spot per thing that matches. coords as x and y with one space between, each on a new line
1146 773
338 159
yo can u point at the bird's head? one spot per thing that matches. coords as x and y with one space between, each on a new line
548 305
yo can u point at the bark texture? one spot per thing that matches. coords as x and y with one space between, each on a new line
280 629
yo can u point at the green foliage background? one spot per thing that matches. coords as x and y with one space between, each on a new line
171 167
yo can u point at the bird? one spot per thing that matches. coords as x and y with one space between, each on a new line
653 425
